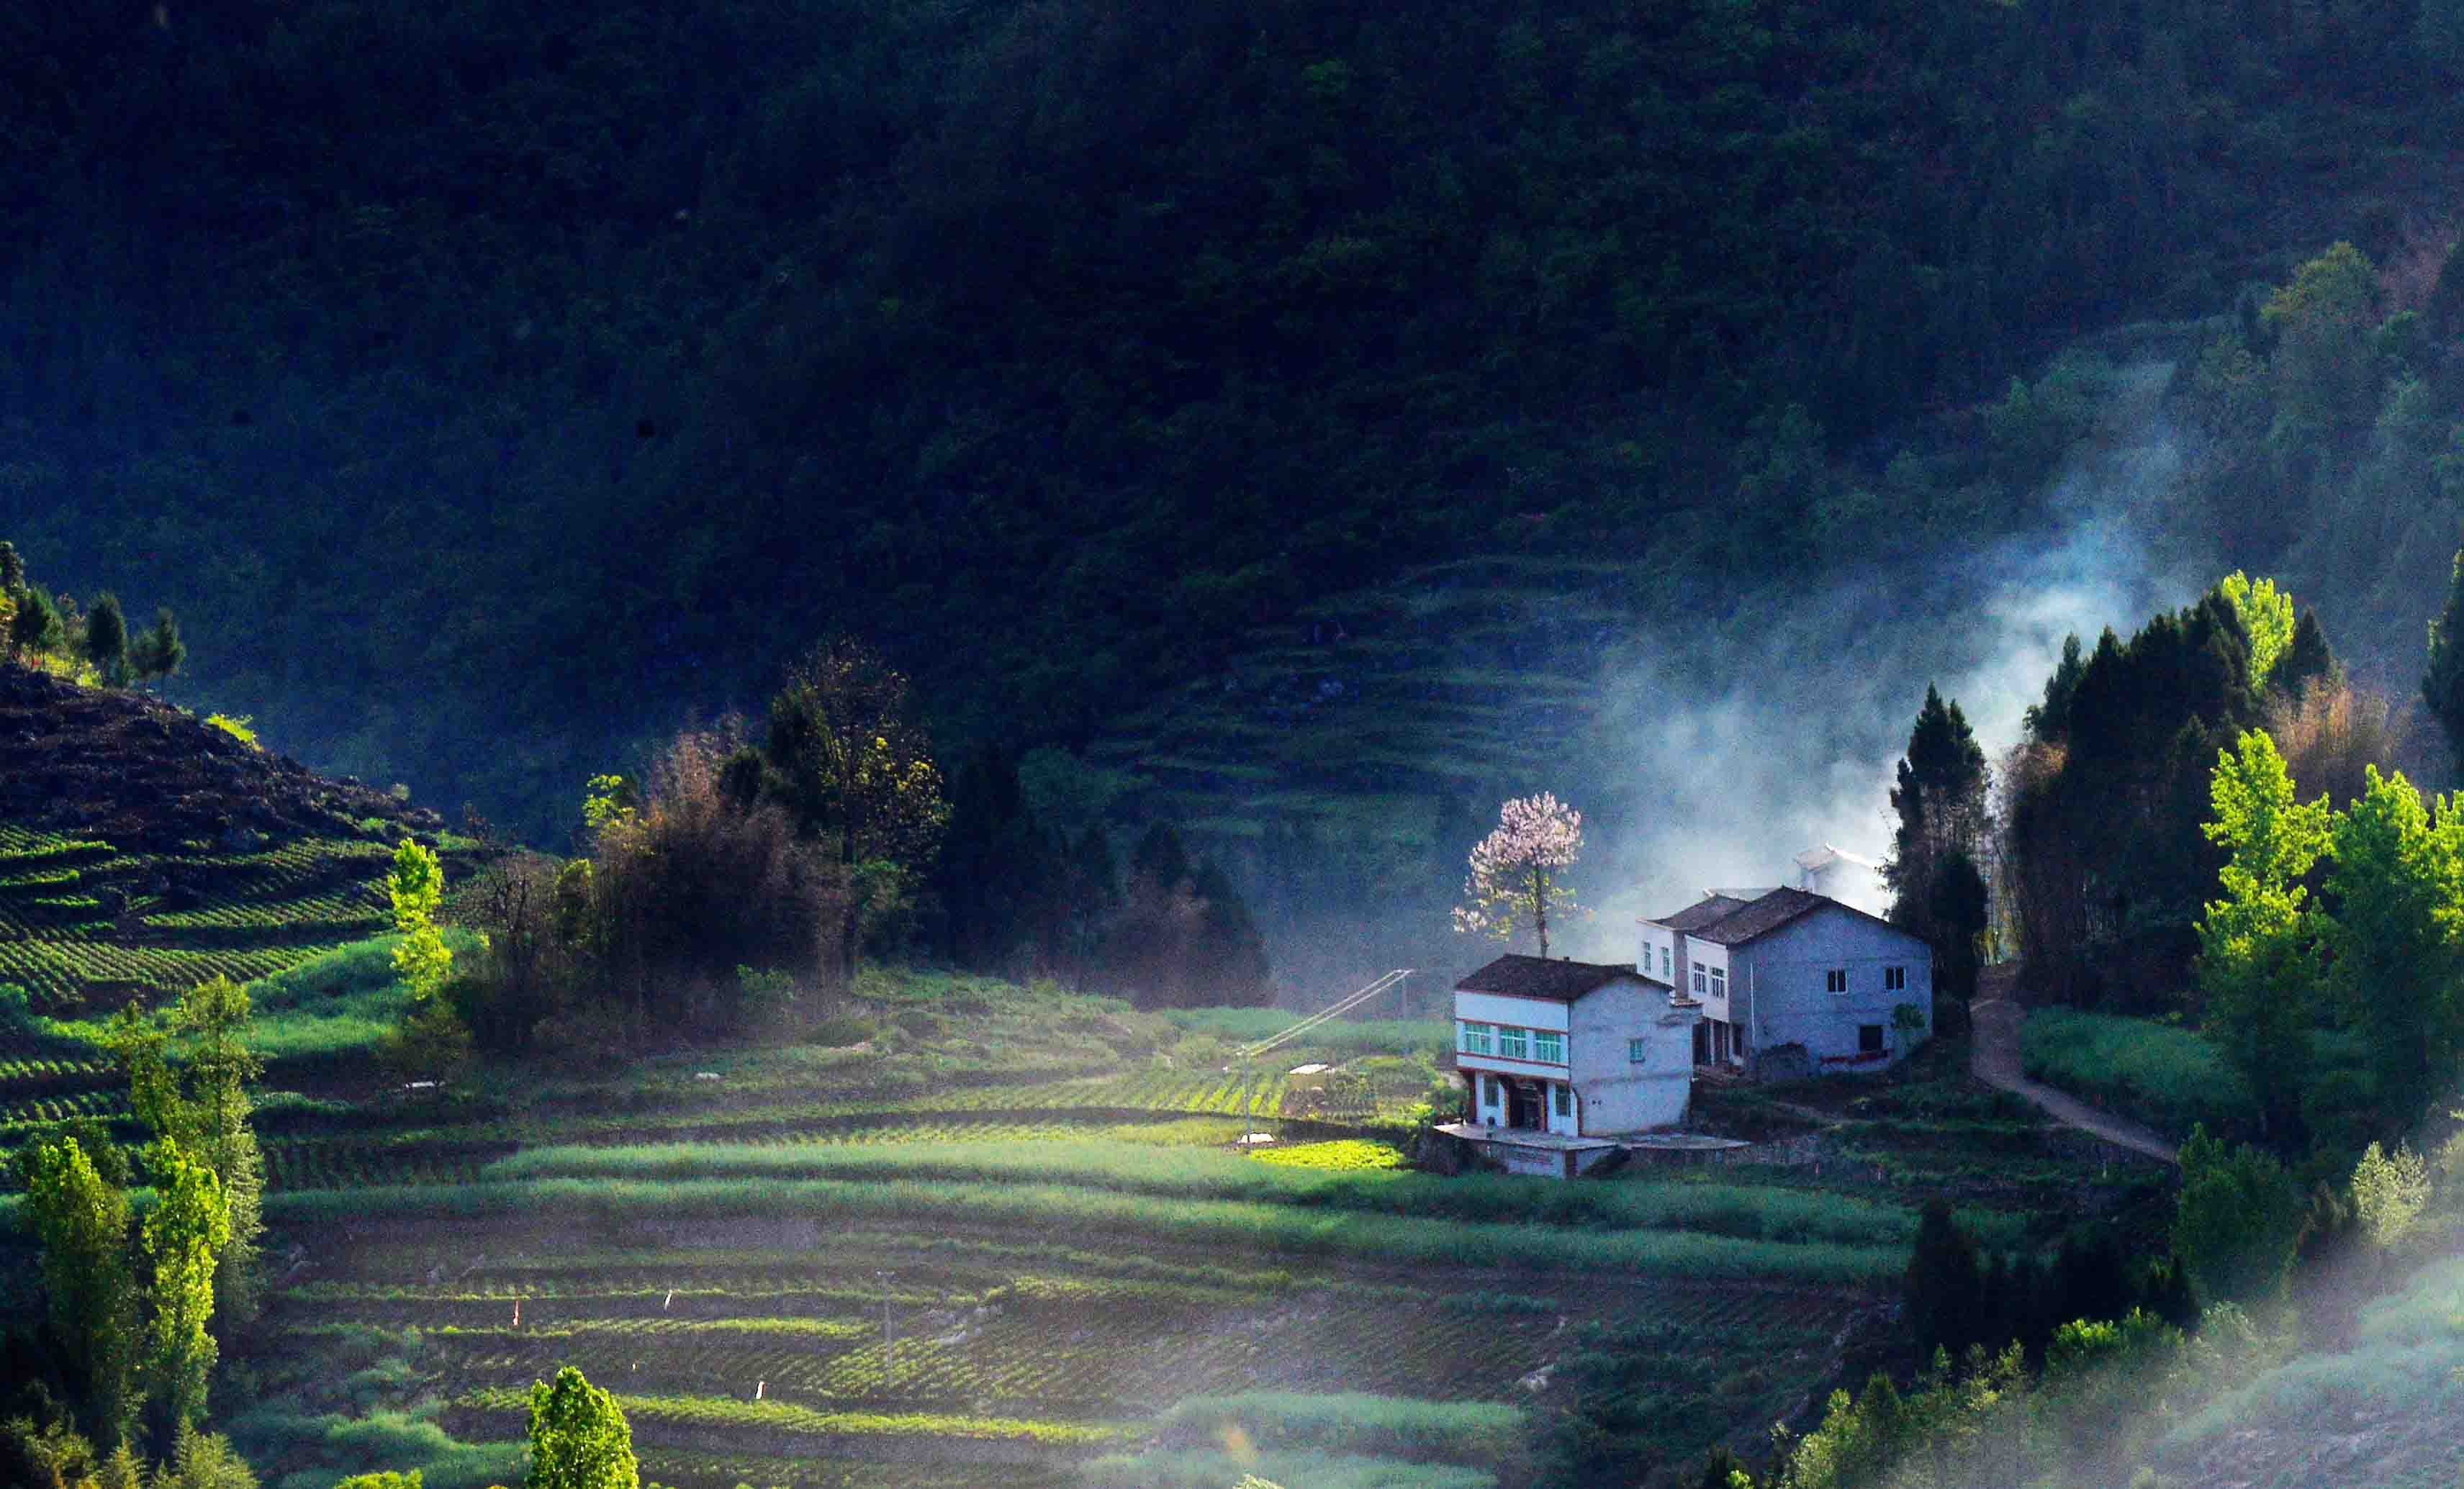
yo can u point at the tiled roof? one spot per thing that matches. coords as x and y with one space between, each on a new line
1529 976
1736 924
1704 912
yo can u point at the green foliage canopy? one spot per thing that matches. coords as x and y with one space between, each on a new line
578 1437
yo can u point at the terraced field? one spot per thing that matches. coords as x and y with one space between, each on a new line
1000 1353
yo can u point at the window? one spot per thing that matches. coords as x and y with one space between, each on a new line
1718 982
1638 1051
1488 1090
1665 973
1475 1038
1869 1037
1835 980
1548 1045
1564 1100
1895 980
1513 1044
1699 988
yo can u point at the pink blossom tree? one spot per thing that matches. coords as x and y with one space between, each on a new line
1513 880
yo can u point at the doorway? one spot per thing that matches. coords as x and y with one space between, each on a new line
1522 1105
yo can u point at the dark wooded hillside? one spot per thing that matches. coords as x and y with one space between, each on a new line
484 378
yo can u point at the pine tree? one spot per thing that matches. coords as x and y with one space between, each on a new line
107 638
37 626
1940 801
160 651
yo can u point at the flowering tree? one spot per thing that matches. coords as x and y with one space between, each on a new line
1513 880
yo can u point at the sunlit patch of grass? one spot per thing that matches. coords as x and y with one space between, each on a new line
1351 1153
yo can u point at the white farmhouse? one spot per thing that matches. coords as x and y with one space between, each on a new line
1794 982
1573 1049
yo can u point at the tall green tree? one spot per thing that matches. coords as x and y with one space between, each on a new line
214 1017
579 1438
158 652
1936 890
184 1232
2442 684
37 625
2394 960
2258 965
415 886
2266 617
80 1221
107 638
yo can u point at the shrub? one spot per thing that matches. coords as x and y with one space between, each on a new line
17 1008
238 728
839 1030
694 885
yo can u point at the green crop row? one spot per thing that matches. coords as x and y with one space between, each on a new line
786 1417
1251 1226
1741 1211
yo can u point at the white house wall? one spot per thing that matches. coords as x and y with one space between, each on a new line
1615 1094
1656 953
1716 997
1777 985
1524 1013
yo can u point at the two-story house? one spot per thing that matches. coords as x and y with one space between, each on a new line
1798 976
1577 1049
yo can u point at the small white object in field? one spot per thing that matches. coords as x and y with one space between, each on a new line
670 1298
705 1075
421 1086
758 1388
518 1313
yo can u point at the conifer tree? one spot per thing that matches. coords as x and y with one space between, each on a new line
37 626
160 651
107 638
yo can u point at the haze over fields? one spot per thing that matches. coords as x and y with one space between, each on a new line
690 691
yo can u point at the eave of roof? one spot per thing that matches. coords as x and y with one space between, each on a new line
1529 976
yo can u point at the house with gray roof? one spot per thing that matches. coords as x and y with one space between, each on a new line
1573 1049
1794 982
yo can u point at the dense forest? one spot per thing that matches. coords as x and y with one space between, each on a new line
571 370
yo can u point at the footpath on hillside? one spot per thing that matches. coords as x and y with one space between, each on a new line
1994 1057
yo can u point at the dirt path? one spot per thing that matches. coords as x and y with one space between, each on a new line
1994 1057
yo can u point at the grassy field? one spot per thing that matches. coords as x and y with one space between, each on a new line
2167 1077
1088 1278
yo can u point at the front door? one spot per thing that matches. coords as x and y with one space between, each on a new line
1523 1108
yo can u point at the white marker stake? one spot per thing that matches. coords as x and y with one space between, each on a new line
518 1313
757 1386
672 1297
